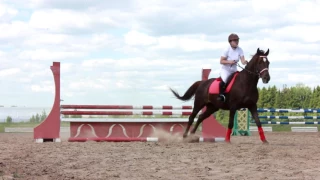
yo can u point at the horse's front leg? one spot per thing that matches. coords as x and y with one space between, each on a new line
231 124
255 116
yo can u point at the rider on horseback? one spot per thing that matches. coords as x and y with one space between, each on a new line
229 59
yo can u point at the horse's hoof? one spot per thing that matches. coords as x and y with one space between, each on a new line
184 136
265 142
228 141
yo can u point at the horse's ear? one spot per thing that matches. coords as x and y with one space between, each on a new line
258 51
267 53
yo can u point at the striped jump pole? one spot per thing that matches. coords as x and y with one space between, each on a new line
122 107
164 113
287 123
143 139
293 117
289 110
290 119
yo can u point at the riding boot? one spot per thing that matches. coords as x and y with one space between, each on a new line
221 91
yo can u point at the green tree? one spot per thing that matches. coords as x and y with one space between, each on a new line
262 97
317 97
43 115
37 118
279 103
300 96
32 119
9 119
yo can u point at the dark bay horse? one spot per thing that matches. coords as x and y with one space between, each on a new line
243 94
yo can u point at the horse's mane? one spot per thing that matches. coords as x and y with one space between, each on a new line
253 59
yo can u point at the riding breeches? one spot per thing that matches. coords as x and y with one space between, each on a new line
225 74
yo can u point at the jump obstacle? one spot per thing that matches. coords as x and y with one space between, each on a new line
245 120
293 119
91 126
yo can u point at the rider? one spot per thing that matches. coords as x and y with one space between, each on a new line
229 59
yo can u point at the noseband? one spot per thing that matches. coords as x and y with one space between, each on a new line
257 72
265 69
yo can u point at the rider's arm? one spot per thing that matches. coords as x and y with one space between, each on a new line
243 61
223 60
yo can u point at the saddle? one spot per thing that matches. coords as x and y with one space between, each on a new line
214 86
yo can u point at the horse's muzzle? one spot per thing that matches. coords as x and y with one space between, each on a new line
266 78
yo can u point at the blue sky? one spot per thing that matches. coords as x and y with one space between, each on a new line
130 52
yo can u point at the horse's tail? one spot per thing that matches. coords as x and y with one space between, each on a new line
189 93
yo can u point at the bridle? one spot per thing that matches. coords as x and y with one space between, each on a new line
257 73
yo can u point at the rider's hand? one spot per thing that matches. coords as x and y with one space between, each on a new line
233 62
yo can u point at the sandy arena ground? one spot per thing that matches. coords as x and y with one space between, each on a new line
287 156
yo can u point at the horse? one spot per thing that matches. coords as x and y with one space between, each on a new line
241 92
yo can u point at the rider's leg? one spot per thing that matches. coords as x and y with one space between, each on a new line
222 86
221 96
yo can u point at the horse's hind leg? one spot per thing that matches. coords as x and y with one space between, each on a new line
209 111
198 105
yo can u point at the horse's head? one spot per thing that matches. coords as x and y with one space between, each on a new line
260 65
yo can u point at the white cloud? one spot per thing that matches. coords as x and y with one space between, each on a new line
272 7
289 57
67 67
281 48
86 84
68 45
300 32
46 54
98 39
131 51
66 20
161 88
123 85
40 73
93 63
312 80
57 20
78 4
44 86
7 12
2 54
9 72
185 43
134 38
14 30
48 39
306 12
143 64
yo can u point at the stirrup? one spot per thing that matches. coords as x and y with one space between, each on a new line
221 98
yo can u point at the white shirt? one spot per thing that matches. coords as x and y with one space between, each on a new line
232 54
